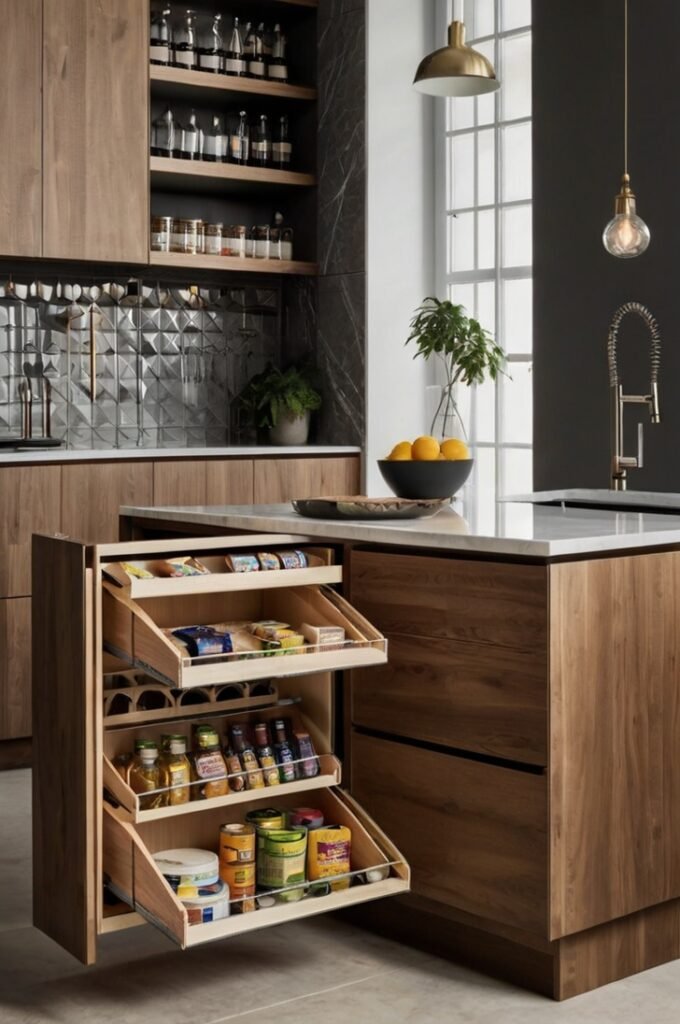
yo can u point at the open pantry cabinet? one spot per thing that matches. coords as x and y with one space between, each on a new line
105 672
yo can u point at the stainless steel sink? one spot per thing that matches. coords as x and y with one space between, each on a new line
624 501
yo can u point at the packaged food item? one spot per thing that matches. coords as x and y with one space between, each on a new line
199 641
237 777
329 853
270 629
237 843
268 560
208 764
242 640
308 766
283 752
240 877
186 566
266 817
265 755
305 817
242 563
123 763
188 867
323 636
247 757
281 860
136 571
293 559
175 769
145 778
212 906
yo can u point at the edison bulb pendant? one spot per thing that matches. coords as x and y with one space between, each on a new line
626 235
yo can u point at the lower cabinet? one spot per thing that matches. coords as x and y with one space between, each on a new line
92 493
15 667
204 482
278 480
96 837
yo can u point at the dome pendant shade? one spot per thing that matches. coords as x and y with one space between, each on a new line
456 69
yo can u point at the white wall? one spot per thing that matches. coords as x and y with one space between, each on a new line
400 223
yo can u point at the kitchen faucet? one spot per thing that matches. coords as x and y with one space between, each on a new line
621 463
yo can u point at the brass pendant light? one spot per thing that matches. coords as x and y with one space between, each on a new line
456 69
626 235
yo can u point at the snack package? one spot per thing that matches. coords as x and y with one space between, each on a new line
270 629
323 636
136 571
268 560
201 640
293 559
242 563
186 566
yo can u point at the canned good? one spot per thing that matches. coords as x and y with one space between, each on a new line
237 843
213 240
281 859
212 906
161 232
240 877
329 853
266 817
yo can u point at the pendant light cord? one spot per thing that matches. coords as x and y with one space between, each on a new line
625 87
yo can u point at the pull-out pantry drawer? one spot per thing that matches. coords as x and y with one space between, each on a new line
132 874
474 834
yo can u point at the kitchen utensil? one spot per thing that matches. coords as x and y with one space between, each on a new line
26 397
47 408
360 507
437 479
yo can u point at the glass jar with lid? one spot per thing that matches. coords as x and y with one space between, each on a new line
261 241
235 241
187 236
213 240
161 232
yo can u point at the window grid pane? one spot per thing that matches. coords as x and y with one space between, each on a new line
489 245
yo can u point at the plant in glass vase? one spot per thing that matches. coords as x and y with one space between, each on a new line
468 352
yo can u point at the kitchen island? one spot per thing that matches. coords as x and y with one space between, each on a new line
520 746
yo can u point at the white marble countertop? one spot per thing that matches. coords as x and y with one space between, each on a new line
627 499
13 457
523 530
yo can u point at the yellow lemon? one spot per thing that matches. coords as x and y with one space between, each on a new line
426 449
452 448
401 452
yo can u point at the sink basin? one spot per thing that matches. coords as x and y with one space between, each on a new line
625 501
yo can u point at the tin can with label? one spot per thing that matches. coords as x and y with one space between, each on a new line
240 877
237 843
266 817
281 858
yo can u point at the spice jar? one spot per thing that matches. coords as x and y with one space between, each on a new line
260 236
235 241
187 236
161 231
213 240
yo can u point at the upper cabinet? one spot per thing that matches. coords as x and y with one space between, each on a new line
20 121
95 129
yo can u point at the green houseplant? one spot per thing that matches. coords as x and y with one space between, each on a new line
281 401
468 352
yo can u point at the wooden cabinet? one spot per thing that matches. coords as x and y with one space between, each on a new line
15 667
95 130
281 480
21 128
91 494
29 503
204 482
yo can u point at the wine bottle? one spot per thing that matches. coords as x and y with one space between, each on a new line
235 62
262 146
282 149
185 48
278 64
213 142
211 57
257 66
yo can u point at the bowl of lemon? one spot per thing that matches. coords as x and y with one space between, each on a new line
427 468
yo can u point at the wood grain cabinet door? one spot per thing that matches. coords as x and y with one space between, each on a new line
92 494
203 482
29 503
15 667
96 130
20 128
280 480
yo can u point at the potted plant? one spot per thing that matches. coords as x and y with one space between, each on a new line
468 352
282 401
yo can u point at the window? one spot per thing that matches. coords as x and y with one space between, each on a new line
484 246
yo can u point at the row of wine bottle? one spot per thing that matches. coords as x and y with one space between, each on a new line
253 52
237 141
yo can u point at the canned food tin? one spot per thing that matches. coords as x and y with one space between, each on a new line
240 877
209 907
266 817
329 853
281 856
237 843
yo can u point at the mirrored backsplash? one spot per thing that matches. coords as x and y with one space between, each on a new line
133 363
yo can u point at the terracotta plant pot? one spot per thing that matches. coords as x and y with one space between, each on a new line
290 430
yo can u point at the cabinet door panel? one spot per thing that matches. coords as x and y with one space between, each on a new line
20 128
279 480
229 482
92 494
29 503
15 668
96 128
203 482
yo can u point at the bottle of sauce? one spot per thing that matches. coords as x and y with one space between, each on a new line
265 755
261 147
208 765
283 752
145 778
282 149
248 759
309 762
175 770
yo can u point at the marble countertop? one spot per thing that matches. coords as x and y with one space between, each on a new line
626 499
523 530
15 457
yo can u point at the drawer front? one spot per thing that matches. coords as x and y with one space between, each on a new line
475 835
456 599
476 697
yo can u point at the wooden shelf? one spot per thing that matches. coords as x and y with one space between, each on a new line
233 263
168 81
204 177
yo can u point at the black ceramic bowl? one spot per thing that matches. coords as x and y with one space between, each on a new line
436 479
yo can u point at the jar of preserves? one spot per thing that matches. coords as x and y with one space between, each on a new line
213 240
235 241
161 232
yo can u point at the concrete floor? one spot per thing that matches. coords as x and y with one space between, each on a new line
321 970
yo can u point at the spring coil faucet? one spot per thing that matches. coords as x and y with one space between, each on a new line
621 463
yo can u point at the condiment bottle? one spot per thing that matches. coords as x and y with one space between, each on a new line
283 752
246 754
191 139
261 147
239 140
278 64
235 62
164 135
309 766
175 769
145 775
160 38
185 48
207 763
282 149
211 57
265 755
257 67
213 141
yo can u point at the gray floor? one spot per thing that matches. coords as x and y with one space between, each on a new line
322 970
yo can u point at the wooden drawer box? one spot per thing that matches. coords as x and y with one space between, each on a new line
475 835
475 697
456 599
129 866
